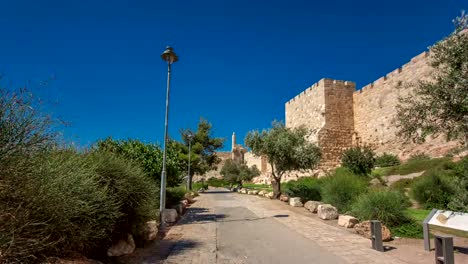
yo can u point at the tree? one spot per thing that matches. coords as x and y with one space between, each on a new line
148 156
440 106
359 160
286 149
236 173
203 153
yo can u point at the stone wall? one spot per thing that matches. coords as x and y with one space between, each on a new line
375 109
340 117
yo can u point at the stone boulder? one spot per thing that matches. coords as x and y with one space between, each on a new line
189 197
169 215
185 203
364 229
244 191
262 193
295 201
255 192
327 212
347 221
201 190
148 231
284 198
179 208
122 247
270 195
312 206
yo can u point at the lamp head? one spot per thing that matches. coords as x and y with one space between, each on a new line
169 55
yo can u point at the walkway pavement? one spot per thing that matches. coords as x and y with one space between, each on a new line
224 227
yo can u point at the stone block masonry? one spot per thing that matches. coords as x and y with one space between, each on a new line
340 117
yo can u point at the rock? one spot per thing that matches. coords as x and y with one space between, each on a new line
375 183
295 201
284 198
327 212
250 192
179 208
122 247
347 221
185 203
255 192
201 190
262 193
149 231
312 206
244 191
189 197
270 195
169 215
364 229
234 189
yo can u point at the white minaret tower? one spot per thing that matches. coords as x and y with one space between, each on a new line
233 140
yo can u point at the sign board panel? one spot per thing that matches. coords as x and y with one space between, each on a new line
449 219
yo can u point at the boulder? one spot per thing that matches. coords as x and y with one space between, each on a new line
295 201
148 231
255 192
375 183
364 229
185 203
201 190
233 189
312 206
169 215
122 247
327 212
347 221
179 208
250 192
244 191
284 198
189 197
262 193
270 195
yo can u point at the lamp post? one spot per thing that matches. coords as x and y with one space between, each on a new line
189 178
170 57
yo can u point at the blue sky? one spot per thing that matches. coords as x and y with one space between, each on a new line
240 61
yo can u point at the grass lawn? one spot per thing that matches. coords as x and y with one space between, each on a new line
417 214
266 187
412 166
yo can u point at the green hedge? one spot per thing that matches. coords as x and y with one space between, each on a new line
387 160
432 191
341 188
307 188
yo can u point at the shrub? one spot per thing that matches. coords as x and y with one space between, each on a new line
411 229
387 160
198 185
416 165
432 191
419 157
174 195
360 160
385 206
215 182
402 185
459 201
53 204
307 188
341 188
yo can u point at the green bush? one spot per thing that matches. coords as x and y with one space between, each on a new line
432 190
459 201
385 206
215 182
419 157
402 185
307 188
417 164
198 185
387 160
341 188
174 195
360 160
411 229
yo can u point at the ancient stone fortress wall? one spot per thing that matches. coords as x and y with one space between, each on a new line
341 117
375 109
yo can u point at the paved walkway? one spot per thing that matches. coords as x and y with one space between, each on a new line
224 227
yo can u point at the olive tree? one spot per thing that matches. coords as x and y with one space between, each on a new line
439 106
235 172
286 149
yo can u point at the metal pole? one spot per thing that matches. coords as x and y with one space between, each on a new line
162 200
189 179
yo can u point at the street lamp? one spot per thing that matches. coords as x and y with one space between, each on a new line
170 57
189 179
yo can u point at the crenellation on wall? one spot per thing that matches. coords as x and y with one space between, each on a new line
340 116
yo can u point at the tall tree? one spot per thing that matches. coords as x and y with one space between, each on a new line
203 149
286 149
236 173
148 156
440 106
